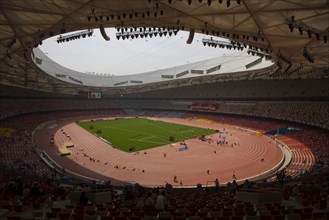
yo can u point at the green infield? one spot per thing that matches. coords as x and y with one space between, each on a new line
135 134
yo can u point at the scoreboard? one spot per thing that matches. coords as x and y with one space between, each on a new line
94 95
90 95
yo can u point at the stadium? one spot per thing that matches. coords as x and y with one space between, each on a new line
243 135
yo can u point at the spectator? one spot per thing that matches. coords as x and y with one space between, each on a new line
217 184
35 190
26 191
83 198
140 201
161 201
149 202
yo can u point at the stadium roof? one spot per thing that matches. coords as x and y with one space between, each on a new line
236 62
293 33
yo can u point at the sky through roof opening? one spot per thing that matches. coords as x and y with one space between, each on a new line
94 55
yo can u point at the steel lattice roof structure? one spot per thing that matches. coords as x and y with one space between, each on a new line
292 33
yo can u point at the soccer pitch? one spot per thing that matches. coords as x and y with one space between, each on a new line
141 133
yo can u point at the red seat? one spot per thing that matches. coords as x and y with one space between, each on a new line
307 210
90 212
106 217
286 211
318 215
227 213
13 218
64 216
208 218
264 217
202 214
178 214
7 206
18 208
101 209
78 216
279 217
306 216
51 214
57 210
297 210
114 213
139 213
251 213
120 218
36 205
78 211
69 206
275 212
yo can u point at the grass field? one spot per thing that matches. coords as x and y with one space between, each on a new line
141 133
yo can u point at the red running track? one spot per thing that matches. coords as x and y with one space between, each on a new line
190 166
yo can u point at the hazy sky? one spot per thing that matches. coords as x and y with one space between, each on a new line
120 57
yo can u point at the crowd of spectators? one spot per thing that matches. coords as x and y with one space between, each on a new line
17 151
28 197
12 107
315 113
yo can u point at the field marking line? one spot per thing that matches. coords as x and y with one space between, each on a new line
153 142
161 138
145 133
190 132
167 130
147 139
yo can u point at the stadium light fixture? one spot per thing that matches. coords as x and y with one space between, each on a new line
75 36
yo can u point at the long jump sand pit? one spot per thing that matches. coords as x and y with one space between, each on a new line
245 153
